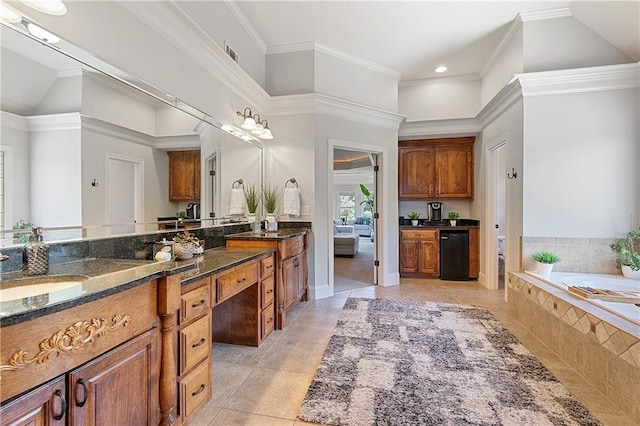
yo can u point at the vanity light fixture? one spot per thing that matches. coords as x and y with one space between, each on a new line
50 7
9 15
249 122
266 133
441 68
254 124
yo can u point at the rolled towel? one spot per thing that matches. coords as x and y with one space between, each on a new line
236 201
291 201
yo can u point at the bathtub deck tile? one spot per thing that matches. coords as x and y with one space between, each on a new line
601 333
583 325
634 351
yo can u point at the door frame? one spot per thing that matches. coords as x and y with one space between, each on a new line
492 208
138 189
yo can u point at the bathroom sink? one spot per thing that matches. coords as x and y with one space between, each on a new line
33 286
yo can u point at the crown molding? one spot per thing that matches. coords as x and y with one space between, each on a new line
102 127
54 122
440 80
347 57
244 23
14 121
173 24
187 142
578 80
539 15
503 100
458 127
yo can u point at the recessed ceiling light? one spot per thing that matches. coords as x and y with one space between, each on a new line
441 68
42 34
50 7
9 15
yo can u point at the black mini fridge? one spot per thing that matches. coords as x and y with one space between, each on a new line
454 255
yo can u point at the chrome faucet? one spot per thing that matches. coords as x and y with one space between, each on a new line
3 257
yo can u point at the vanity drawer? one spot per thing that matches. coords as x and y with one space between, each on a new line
194 390
291 246
423 234
194 303
195 343
268 321
267 266
268 286
236 280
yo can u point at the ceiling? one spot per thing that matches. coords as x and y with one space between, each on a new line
414 37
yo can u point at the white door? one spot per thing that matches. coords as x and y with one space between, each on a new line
496 213
124 182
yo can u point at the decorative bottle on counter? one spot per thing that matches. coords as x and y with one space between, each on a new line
35 255
272 223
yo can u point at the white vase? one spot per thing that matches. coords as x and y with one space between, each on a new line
184 250
251 217
414 223
453 222
272 223
630 273
544 269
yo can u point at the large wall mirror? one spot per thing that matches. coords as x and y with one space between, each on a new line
84 147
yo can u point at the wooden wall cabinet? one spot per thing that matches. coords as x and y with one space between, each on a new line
419 252
431 169
184 175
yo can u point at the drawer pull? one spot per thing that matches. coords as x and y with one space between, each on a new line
63 405
270 320
269 267
269 291
81 382
242 280
200 303
199 391
200 343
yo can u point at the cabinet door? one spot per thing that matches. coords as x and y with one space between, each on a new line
474 253
415 170
408 256
428 257
302 276
454 171
45 405
290 280
120 387
184 175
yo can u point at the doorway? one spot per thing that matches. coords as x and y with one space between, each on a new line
496 213
355 188
124 194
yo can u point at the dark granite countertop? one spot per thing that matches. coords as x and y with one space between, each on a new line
446 227
280 234
109 276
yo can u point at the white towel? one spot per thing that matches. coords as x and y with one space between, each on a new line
236 201
291 202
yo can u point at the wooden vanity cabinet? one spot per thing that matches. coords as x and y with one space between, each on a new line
184 175
419 252
431 169
45 405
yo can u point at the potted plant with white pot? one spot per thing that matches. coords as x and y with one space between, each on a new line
544 262
629 248
252 197
414 216
453 218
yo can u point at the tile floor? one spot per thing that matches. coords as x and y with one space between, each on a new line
265 386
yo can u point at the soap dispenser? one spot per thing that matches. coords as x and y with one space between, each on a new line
35 255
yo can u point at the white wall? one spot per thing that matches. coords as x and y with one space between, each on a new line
563 43
15 139
65 95
439 98
581 164
290 73
238 160
508 63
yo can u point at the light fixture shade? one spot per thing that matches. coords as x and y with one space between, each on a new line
258 130
50 7
9 15
249 123
267 134
42 34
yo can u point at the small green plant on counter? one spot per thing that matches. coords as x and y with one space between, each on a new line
545 257
21 224
270 197
252 197
186 237
454 215
414 215
181 214
629 248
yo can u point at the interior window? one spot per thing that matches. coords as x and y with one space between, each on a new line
348 207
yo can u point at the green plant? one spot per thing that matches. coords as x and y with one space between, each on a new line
21 224
629 248
181 214
270 197
413 215
454 215
185 237
545 257
368 198
252 197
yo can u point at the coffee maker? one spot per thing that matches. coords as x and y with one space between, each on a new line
435 211
193 211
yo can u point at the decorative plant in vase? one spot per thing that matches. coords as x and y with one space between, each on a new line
270 199
186 245
544 262
22 237
414 216
252 197
453 218
629 248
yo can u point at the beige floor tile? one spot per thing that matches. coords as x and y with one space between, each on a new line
244 354
231 418
226 377
204 416
294 354
268 392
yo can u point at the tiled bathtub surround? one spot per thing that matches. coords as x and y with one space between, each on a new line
603 348
587 255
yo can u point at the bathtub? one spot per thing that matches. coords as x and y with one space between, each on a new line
628 311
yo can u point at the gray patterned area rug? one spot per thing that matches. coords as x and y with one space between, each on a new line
394 362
